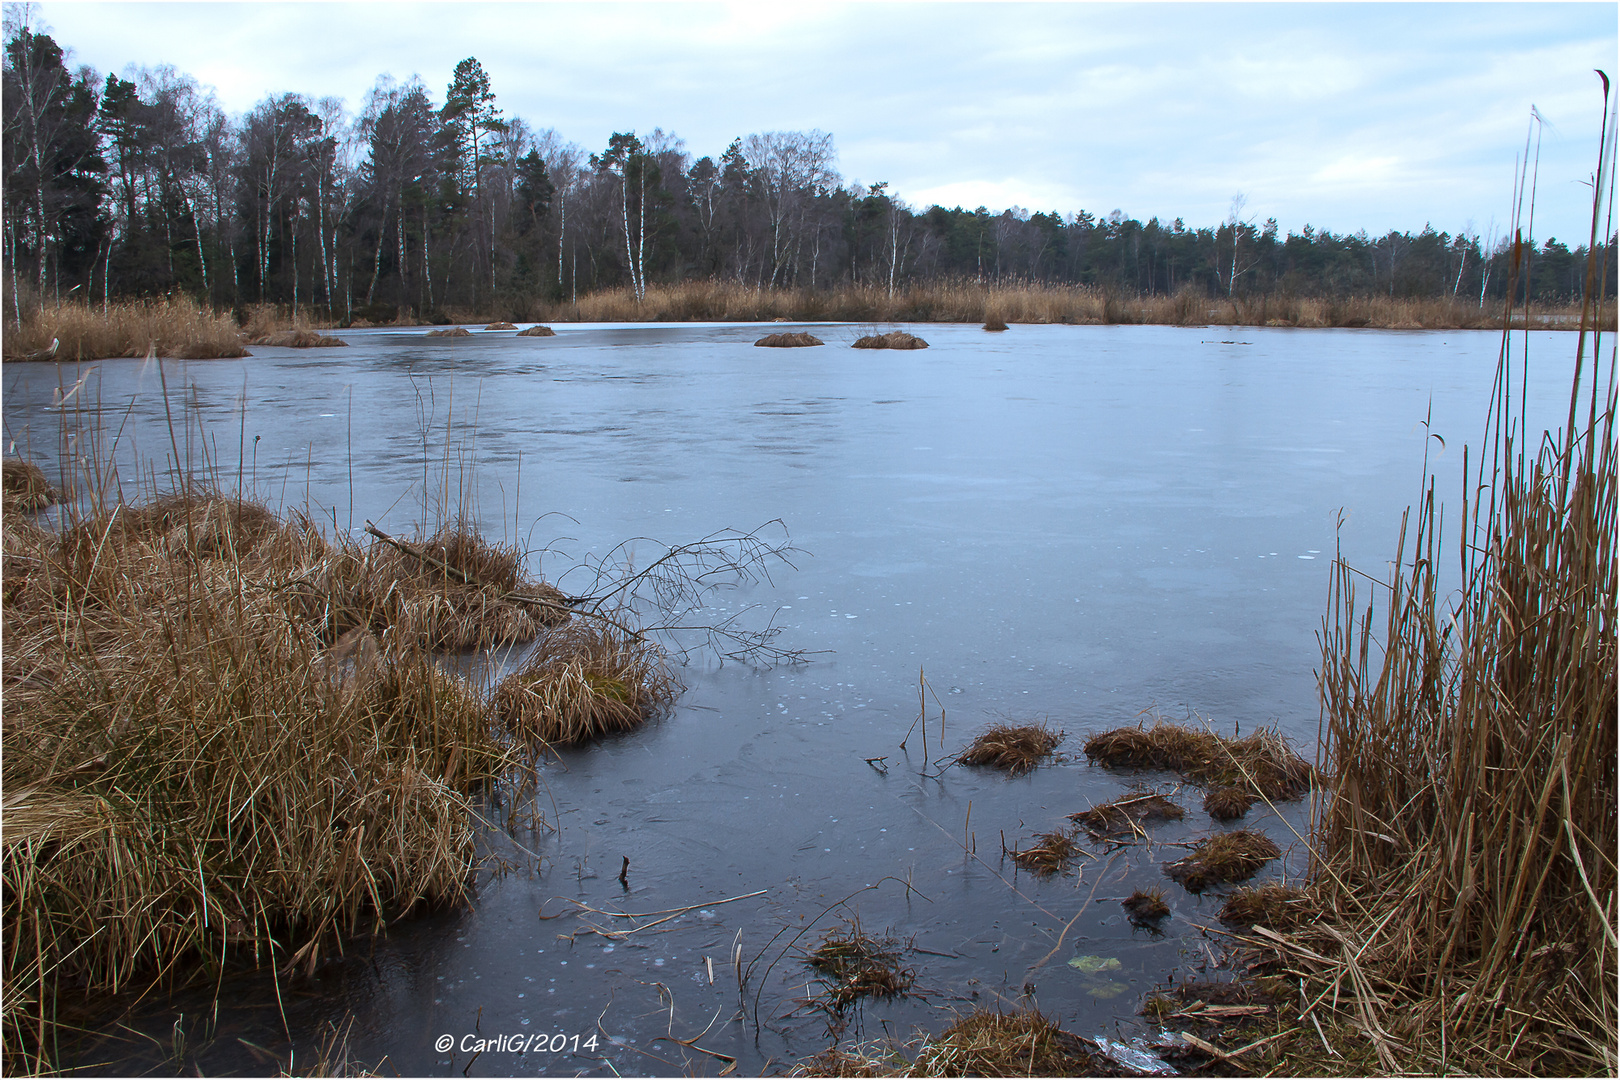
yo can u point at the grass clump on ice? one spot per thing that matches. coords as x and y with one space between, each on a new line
299 337
1127 814
1013 748
24 485
853 965
1049 853
1263 762
191 777
1146 906
501 326
1224 857
1022 1043
894 339
452 332
583 680
537 331
799 340
1227 803
1272 905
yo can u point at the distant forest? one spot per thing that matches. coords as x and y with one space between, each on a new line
118 189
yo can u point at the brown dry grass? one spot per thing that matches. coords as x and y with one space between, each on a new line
1274 905
1262 762
1023 1043
994 324
1146 905
854 965
583 680
1224 857
894 339
174 328
452 332
298 338
1227 803
191 776
1468 845
972 302
501 326
799 340
25 488
537 331
1049 853
1127 814
1013 748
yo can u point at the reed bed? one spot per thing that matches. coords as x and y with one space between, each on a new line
1263 762
894 339
191 777
24 487
1127 814
583 680
1013 748
1467 846
1224 857
789 341
854 965
168 327
956 301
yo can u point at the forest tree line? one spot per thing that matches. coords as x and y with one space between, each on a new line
143 187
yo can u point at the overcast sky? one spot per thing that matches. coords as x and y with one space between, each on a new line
1343 116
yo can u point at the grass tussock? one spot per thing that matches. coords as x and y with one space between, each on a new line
1127 814
1467 845
1262 762
1049 853
894 339
798 340
24 486
300 337
854 965
583 680
501 326
1013 748
1273 905
451 332
1224 857
173 328
1146 906
192 776
537 331
1227 803
1022 1043
995 324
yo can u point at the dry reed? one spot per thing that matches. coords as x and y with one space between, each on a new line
1468 844
1232 856
583 680
1262 762
25 488
1273 905
799 340
1013 748
854 965
133 328
1022 1043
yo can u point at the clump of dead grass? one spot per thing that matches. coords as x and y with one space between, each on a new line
1273 905
299 337
451 332
24 486
1262 762
1224 857
798 340
1146 906
894 339
501 326
537 331
1127 814
585 679
1227 803
1013 748
1022 1043
995 324
1049 853
854 965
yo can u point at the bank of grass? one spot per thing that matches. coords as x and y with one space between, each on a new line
169 327
985 1042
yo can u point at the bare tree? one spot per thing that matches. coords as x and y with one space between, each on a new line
791 165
